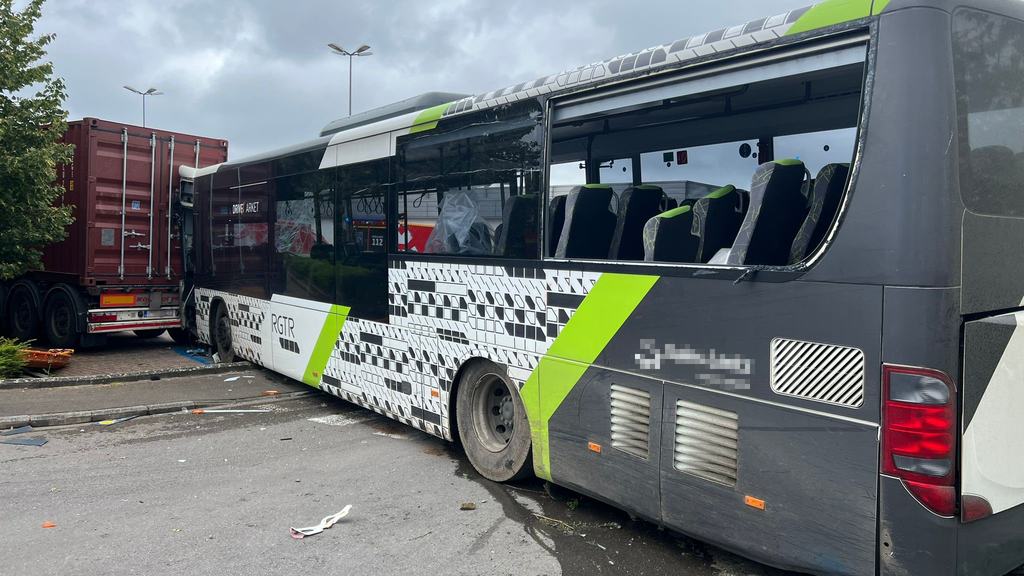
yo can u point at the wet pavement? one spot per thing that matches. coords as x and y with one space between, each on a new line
216 493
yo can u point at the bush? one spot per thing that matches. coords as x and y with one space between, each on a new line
11 359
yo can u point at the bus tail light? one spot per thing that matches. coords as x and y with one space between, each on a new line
919 434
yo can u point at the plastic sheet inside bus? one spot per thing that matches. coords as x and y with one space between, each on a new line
460 229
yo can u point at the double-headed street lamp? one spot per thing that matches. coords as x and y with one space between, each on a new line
150 92
363 50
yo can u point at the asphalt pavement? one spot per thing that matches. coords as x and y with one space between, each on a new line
211 493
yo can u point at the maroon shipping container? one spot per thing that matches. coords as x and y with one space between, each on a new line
120 267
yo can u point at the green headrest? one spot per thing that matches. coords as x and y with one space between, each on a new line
721 192
788 162
597 186
675 212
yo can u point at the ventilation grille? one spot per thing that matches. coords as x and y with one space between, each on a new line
706 442
820 372
631 420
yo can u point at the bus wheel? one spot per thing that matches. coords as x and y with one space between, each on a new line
222 335
493 425
152 333
180 335
24 324
61 328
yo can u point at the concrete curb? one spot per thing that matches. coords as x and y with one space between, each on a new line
57 382
85 417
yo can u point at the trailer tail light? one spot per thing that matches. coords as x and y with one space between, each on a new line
99 317
919 434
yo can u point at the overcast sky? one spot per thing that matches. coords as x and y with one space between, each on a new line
258 73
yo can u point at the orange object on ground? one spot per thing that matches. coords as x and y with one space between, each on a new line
49 525
198 412
52 358
271 393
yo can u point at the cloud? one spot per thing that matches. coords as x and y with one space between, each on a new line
258 73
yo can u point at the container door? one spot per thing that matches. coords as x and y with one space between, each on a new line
122 189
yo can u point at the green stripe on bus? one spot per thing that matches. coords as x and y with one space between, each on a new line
324 344
605 309
831 13
427 120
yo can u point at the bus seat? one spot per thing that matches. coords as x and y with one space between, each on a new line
716 220
825 197
589 223
517 233
671 203
668 237
639 204
777 209
556 214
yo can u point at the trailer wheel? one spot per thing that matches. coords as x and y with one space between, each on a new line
152 333
61 328
21 316
180 335
493 425
222 335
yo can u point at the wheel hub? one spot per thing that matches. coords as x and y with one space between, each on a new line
494 412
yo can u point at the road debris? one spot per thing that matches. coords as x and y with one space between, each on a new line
467 506
14 431
115 421
49 524
24 441
201 411
324 524
270 392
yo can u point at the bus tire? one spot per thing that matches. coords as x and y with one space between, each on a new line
180 335
221 332
492 423
61 320
151 333
23 319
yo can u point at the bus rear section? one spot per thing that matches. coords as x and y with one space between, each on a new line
989 71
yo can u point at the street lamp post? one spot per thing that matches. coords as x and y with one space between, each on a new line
150 92
363 50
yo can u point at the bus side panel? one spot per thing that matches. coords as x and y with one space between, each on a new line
813 464
920 328
912 540
815 476
618 469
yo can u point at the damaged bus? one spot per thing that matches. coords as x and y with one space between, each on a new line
758 285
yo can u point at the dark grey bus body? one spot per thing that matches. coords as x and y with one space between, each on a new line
909 276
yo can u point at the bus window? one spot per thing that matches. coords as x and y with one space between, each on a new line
360 231
726 175
304 236
989 78
470 186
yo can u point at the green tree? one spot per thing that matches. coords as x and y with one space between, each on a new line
32 120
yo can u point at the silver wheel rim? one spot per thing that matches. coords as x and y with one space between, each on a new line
494 412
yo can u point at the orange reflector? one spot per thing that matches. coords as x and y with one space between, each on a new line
198 412
754 502
49 524
434 393
107 300
594 447
271 393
